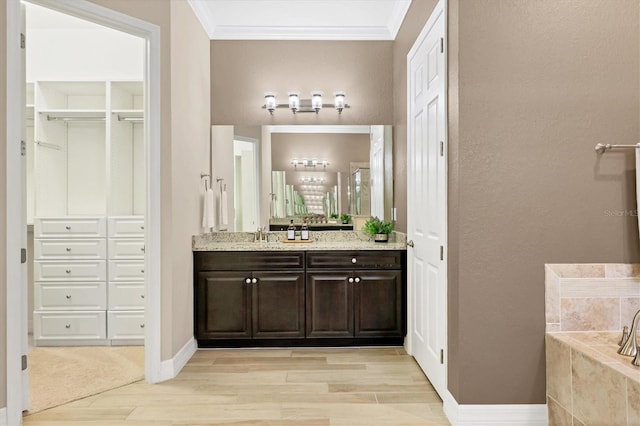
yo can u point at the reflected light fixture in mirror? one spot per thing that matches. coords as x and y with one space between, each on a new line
309 163
297 105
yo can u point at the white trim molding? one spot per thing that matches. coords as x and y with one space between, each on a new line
171 367
3 417
494 414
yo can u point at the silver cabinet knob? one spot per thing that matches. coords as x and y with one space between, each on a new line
68 271
248 280
142 271
68 296
350 280
67 326
353 260
254 281
142 296
142 249
410 243
141 325
142 227
68 249
68 228
357 279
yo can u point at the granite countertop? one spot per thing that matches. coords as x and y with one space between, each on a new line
276 241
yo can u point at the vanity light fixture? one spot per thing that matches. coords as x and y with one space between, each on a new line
309 163
297 105
312 180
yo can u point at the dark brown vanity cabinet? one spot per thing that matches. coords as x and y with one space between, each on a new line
357 294
313 298
249 295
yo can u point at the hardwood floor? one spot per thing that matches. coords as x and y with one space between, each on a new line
264 387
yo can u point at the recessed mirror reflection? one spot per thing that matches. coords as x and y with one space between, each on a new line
333 177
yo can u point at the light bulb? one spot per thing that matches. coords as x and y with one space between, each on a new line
339 102
316 101
294 102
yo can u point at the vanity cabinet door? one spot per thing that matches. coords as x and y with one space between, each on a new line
223 305
378 303
329 304
278 305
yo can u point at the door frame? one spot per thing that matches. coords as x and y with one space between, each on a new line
441 7
151 34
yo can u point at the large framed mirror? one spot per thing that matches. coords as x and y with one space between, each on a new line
318 174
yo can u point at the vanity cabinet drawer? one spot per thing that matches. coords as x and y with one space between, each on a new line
355 259
69 249
125 325
126 270
85 270
69 325
126 249
247 261
64 227
126 227
62 296
126 296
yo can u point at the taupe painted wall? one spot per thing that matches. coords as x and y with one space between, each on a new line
190 135
3 208
242 71
538 84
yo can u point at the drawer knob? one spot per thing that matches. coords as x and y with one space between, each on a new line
142 296
142 249
357 279
141 325
68 249
68 271
68 228
254 281
350 280
353 260
247 280
68 296
142 227
67 326
142 271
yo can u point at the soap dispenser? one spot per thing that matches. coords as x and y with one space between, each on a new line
291 231
304 231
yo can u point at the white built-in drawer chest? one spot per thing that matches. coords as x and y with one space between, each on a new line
88 280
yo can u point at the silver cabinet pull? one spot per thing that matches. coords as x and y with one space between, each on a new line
254 281
68 296
142 271
141 325
353 260
357 279
68 249
142 249
350 280
410 243
67 326
142 227
68 271
142 296
68 228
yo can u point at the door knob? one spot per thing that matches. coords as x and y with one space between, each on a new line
410 243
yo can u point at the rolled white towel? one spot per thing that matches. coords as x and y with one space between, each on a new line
208 211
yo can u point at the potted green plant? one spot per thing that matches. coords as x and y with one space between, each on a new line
345 218
380 229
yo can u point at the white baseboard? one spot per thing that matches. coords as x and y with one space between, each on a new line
503 414
3 417
171 367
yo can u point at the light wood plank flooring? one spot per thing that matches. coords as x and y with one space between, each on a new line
263 387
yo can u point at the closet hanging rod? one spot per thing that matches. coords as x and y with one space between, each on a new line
131 119
48 145
73 118
602 147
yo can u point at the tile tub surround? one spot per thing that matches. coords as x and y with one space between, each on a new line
591 297
588 382
320 240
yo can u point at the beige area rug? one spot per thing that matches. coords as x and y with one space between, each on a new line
61 375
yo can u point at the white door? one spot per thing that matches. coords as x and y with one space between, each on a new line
24 294
427 199
376 168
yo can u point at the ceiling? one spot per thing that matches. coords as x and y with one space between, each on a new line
301 19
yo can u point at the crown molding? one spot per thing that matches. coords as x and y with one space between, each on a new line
228 32
202 13
400 9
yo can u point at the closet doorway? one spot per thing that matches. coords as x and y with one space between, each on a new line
59 100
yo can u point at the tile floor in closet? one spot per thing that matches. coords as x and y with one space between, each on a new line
296 387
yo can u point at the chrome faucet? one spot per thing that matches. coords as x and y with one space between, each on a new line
630 346
261 234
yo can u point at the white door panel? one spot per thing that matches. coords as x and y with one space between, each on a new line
426 199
